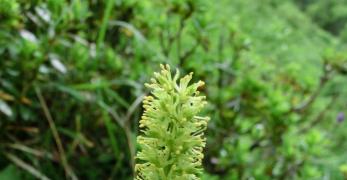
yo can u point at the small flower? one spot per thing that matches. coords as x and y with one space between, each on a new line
172 140
214 160
340 117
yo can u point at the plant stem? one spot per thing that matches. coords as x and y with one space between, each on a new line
102 32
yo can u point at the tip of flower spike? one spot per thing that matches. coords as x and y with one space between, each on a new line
162 66
153 80
156 75
177 74
201 83
187 78
165 67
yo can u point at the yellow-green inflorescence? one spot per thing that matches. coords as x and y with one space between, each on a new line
173 134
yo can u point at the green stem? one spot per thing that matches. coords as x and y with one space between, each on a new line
106 16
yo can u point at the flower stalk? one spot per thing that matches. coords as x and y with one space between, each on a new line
173 134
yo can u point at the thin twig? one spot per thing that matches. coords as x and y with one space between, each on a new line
323 81
113 113
127 130
188 53
25 166
133 107
106 16
124 123
320 116
178 37
23 128
131 148
30 150
55 133
162 44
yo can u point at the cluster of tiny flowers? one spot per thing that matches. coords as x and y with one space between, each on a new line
173 134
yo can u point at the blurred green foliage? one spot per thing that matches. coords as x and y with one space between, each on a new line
72 74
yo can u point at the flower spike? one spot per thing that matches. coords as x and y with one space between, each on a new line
172 140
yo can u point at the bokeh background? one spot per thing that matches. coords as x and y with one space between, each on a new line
72 75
